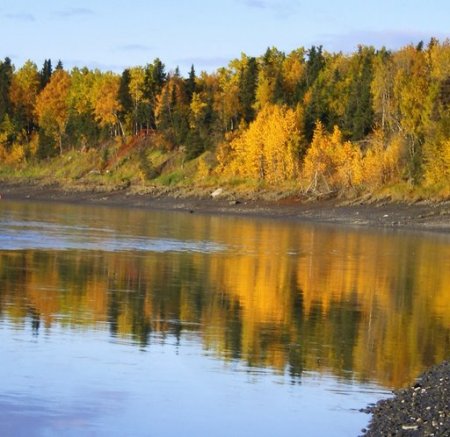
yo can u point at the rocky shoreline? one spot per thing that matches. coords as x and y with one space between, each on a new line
419 410
418 216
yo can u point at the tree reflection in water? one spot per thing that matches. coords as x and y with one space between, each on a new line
370 306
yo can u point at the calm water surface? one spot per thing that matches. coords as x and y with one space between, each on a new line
131 323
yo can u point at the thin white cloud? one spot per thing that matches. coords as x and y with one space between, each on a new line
21 16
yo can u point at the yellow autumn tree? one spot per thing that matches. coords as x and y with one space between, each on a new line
436 148
437 164
412 86
80 90
269 149
105 102
52 107
197 110
294 69
136 89
226 100
23 93
382 161
10 153
264 91
331 164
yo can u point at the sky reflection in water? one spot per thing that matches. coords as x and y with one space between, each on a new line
50 236
95 386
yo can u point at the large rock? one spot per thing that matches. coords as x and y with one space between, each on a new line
217 193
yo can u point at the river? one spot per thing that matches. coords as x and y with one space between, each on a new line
126 322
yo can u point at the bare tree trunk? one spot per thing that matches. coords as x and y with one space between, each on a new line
60 144
121 127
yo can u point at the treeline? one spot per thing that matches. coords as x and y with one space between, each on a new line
330 120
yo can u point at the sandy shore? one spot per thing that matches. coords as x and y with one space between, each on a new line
419 216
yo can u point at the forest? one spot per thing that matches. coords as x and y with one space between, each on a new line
320 122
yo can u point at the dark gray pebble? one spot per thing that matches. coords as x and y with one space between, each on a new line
419 410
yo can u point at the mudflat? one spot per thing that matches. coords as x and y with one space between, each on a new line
420 216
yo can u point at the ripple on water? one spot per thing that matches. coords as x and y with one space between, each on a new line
45 236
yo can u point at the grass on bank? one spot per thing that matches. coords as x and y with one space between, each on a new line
154 170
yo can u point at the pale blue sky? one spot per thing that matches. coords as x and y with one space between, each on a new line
115 34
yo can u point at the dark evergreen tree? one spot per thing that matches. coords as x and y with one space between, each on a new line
191 86
46 145
316 110
272 64
314 64
59 65
248 81
5 83
173 111
45 73
155 78
359 115
315 82
195 145
6 72
124 95
81 131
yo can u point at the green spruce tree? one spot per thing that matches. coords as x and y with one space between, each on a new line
248 81
46 73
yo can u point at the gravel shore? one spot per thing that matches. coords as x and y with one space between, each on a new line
419 410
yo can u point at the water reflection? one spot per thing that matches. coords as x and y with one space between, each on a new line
294 299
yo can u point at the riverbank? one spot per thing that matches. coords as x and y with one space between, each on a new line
419 410
417 216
